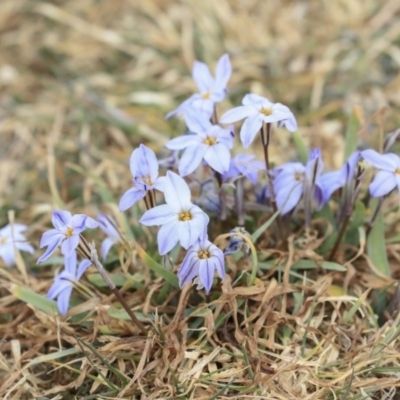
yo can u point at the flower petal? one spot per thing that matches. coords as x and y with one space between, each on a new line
57 286
61 219
206 273
70 263
223 72
197 122
50 236
191 159
167 238
130 197
255 100
250 128
189 268
50 249
181 142
69 245
289 196
63 300
383 183
176 192
143 163
202 76
190 231
7 254
82 267
159 215
218 157
106 246
386 162
237 113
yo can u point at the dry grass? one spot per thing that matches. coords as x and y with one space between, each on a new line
82 82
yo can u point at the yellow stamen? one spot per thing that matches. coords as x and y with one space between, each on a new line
210 141
266 111
206 95
397 171
69 233
204 254
185 216
298 176
3 240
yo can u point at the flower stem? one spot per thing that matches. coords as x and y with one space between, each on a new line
350 198
265 137
239 194
95 260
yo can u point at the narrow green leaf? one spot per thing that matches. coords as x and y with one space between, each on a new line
52 356
376 244
332 266
351 139
264 227
169 276
36 300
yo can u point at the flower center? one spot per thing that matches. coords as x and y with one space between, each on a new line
298 176
397 172
204 254
3 240
206 95
266 111
145 180
185 216
210 141
69 233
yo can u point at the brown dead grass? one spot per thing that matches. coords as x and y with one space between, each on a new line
81 84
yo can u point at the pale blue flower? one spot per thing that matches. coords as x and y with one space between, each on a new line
11 236
294 179
388 177
244 165
109 227
64 281
211 90
334 180
180 220
257 110
66 234
209 142
144 168
202 259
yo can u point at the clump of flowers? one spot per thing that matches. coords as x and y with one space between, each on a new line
205 185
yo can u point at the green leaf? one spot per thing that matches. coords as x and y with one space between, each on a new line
351 139
332 266
118 280
264 227
169 276
53 356
376 244
36 300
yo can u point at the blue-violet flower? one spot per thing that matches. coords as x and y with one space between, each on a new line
181 220
202 259
388 177
64 281
257 110
144 168
209 141
211 90
66 234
